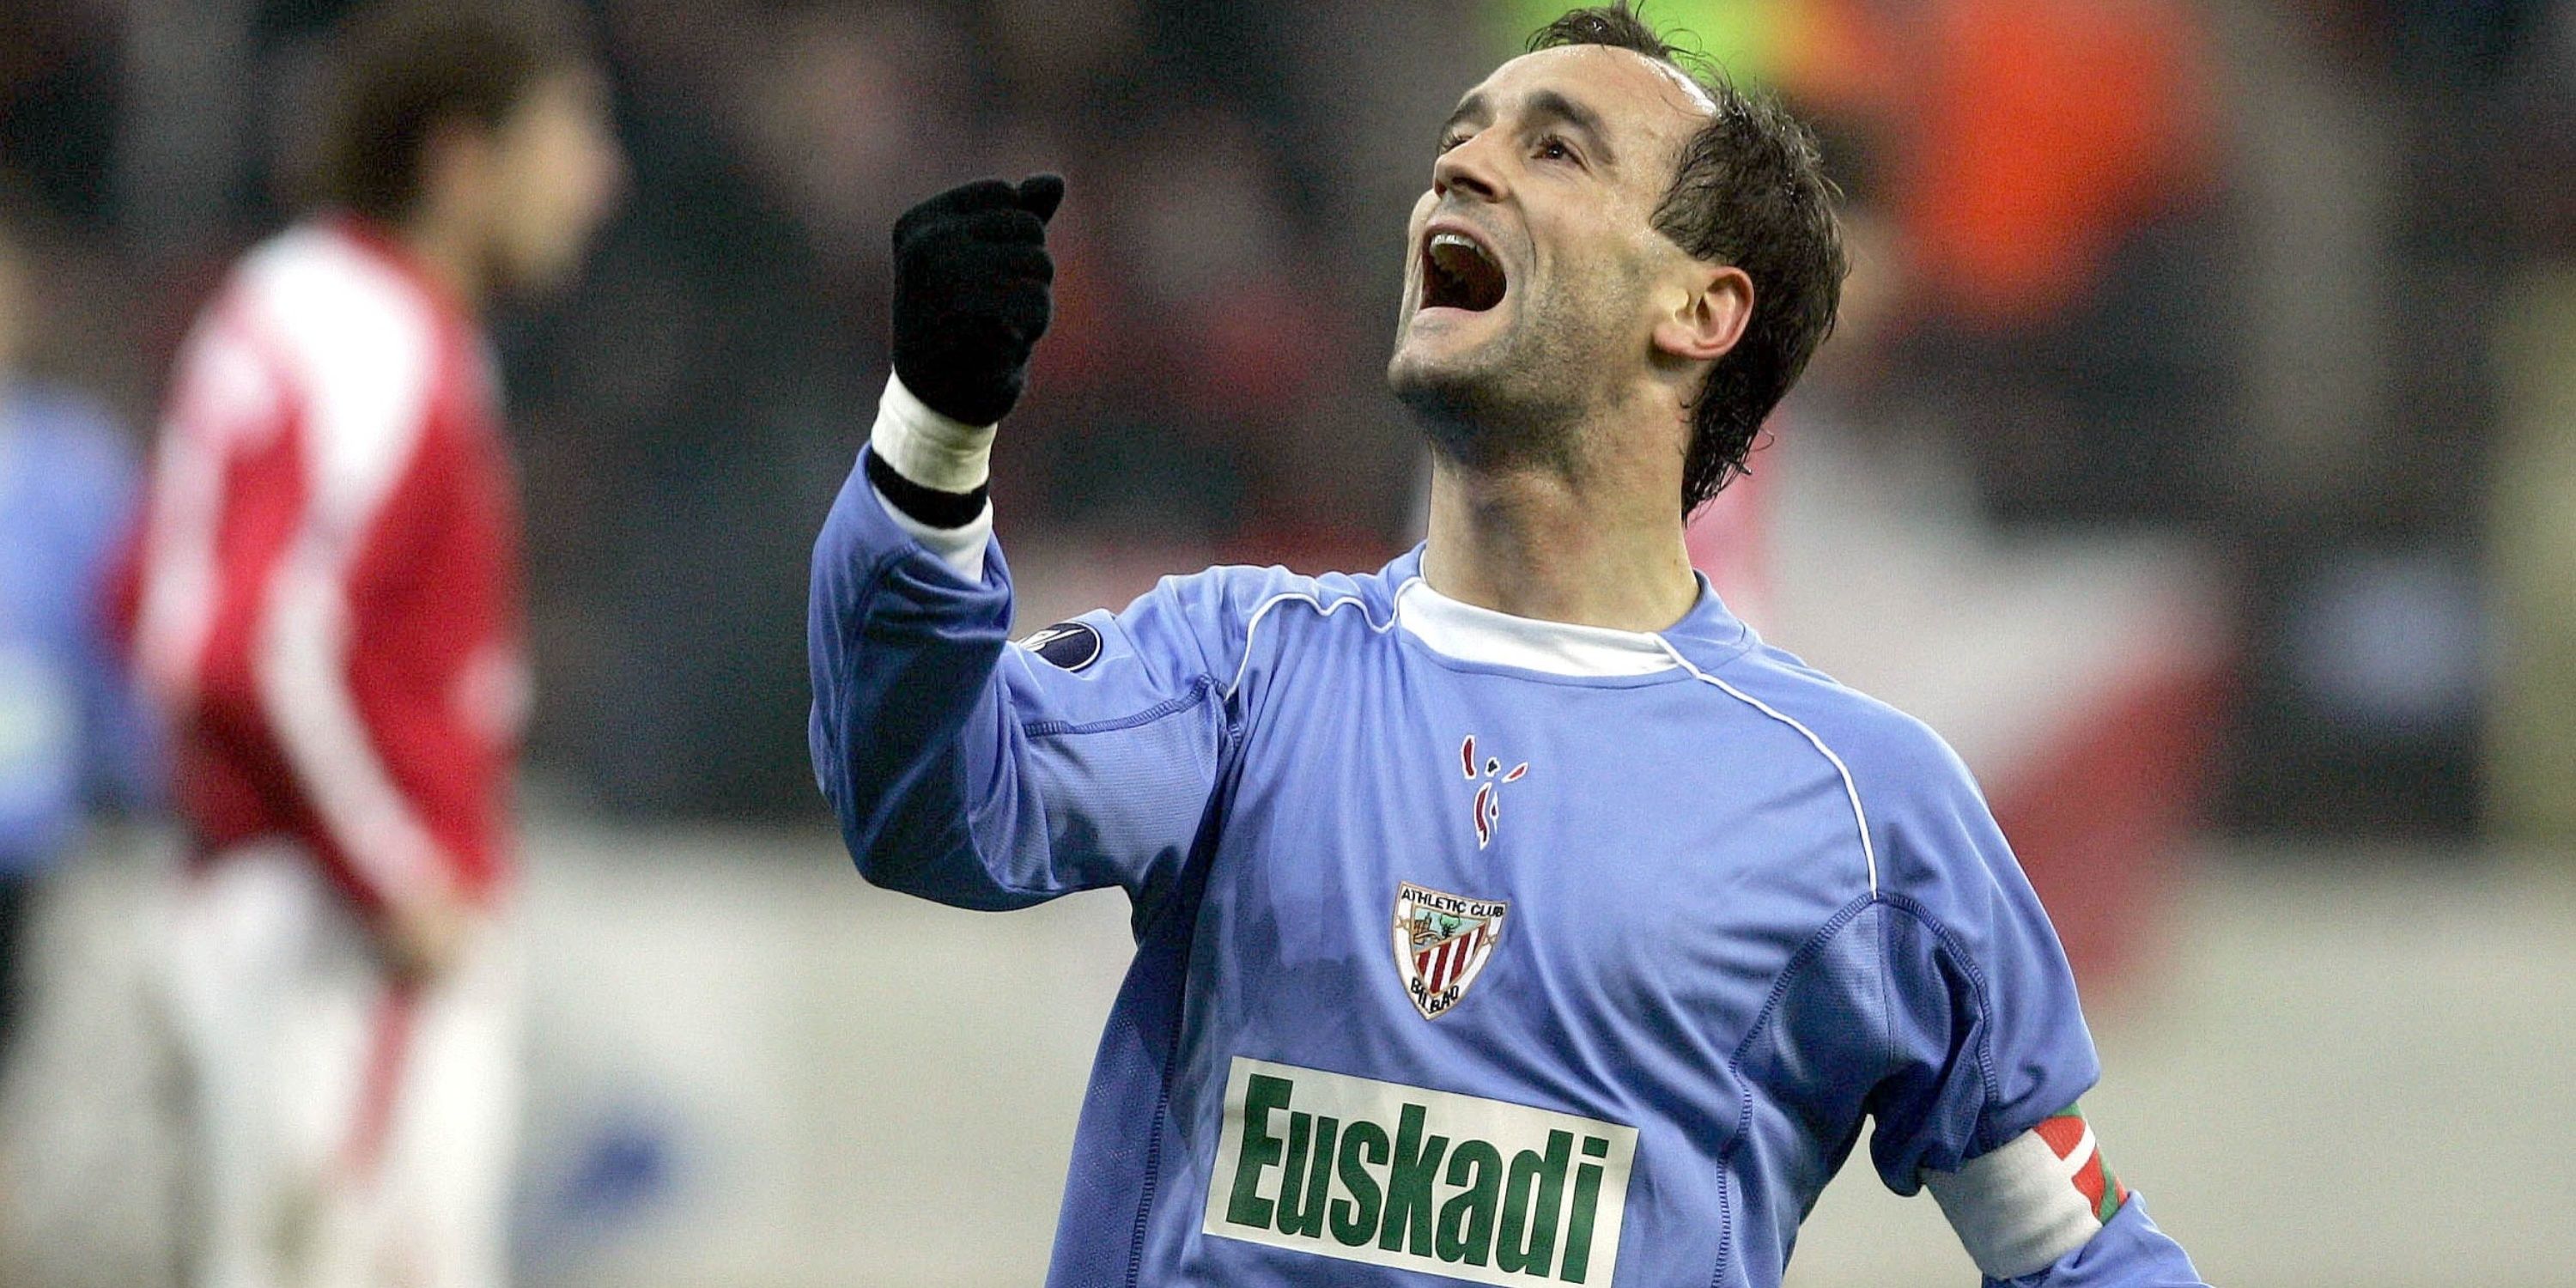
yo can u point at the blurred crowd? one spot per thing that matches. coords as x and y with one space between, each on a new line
2282 274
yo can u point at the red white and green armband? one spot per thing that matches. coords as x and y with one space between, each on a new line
2024 1205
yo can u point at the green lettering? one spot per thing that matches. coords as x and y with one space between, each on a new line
1467 1220
1355 1218
1260 1150
1407 1224
1578 1227
1529 1206
1307 1217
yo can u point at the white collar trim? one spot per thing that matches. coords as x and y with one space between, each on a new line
1473 634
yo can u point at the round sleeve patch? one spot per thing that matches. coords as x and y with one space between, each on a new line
1070 645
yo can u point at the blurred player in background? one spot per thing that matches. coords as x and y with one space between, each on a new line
1512 914
328 610
71 733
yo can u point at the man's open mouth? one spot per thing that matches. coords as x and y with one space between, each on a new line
1459 274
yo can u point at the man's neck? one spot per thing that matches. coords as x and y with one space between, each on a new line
449 258
1590 547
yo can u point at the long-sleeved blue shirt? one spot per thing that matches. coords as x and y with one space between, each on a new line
1472 948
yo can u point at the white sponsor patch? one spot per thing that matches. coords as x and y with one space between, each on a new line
1431 1181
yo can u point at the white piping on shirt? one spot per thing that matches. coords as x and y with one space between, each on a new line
1321 608
1860 817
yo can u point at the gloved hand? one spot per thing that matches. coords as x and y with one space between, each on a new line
973 291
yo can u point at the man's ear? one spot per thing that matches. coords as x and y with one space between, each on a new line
1709 315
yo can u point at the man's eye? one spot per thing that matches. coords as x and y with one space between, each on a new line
1554 149
1451 140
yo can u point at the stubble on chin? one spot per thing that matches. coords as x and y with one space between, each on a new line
1514 400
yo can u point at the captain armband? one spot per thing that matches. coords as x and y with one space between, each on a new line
2026 1204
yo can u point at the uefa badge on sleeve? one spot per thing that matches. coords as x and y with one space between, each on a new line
1069 645
1442 942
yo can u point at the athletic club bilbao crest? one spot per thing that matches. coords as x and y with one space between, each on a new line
1489 779
1442 942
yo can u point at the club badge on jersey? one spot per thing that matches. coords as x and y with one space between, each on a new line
1442 942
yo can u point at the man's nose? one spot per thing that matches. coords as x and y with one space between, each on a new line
1469 166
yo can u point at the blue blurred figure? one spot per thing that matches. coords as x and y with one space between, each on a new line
71 733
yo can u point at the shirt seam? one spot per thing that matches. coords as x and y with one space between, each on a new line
1980 1141
1200 687
1842 768
1798 961
863 606
1313 597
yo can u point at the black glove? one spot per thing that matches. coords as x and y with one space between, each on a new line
972 293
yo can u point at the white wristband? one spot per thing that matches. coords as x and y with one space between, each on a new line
927 448
935 452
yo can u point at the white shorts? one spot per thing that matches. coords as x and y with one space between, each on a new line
350 1132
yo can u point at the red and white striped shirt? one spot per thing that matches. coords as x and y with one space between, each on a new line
328 598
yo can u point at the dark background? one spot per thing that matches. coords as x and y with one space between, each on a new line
2237 270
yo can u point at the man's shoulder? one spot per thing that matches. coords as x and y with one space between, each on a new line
1223 609
1894 760
1236 596
1933 837
320 291
358 342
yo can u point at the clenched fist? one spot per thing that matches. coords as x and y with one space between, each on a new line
973 291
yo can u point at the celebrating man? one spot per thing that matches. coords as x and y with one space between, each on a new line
1511 914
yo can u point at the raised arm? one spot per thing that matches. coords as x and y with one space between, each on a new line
963 768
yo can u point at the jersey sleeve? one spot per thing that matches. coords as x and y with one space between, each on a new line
2127 1252
992 775
1986 1035
1988 1052
123 756
359 763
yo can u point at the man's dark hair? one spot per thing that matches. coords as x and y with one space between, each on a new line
402 71
1750 191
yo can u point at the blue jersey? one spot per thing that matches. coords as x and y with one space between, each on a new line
70 727
1469 948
